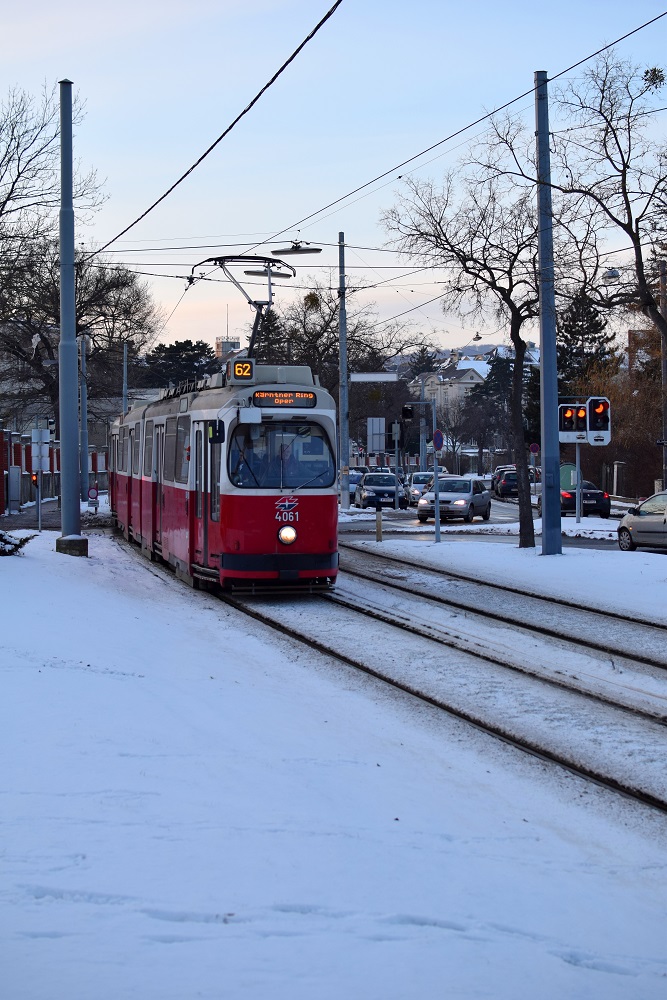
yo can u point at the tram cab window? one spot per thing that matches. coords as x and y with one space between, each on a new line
280 455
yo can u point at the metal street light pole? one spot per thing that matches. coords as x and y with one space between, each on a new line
343 397
551 526
83 438
70 542
663 367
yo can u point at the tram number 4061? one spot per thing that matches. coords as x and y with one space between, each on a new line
287 515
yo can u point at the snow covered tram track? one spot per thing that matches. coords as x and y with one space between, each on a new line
604 632
616 748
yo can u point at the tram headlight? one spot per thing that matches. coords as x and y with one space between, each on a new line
287 534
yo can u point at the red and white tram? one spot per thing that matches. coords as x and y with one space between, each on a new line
232 480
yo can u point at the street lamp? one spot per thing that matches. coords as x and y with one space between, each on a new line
296 248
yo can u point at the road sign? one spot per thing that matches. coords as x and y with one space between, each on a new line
374 377
92 493
534 449
438 440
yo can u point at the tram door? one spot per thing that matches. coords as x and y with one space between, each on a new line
159 480
201 492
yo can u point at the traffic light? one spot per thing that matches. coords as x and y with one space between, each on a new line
598 414
565 418
572 423
580 418
34 479
407 412
599 420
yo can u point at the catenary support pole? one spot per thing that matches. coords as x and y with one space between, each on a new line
125 377
70 542
343 396
551 526
436 478
422 426
83 437
663 364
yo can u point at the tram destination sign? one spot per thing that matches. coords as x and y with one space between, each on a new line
285 397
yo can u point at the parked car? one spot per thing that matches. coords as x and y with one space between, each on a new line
355 478
497 473
645 524
464 498
507 485
416 484
486 478
378 489
593 501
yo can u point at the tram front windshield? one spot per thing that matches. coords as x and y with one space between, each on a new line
278 456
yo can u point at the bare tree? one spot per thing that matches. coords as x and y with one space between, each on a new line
482 230
30 171
112 308
609 166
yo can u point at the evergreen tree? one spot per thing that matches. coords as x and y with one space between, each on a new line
178 362
583 347
423 361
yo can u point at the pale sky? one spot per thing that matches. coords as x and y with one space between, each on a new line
380 82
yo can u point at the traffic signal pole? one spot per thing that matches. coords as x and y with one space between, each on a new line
551 527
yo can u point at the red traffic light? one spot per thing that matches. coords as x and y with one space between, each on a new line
598 414
565 418
34 478
580 421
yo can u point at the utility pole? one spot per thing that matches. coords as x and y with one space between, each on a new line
125 378
422 426
343 396
551 527
663 365
70 542
83 437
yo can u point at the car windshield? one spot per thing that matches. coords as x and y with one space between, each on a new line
419 478
509 475
277 456
454 485
379 480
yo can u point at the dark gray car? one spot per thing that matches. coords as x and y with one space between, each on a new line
464 498
645 524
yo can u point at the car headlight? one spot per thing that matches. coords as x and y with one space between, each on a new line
369 493
287 534
460 503
415 493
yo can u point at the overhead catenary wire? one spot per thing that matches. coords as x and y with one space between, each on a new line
460 131
229 128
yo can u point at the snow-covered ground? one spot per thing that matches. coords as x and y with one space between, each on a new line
192 808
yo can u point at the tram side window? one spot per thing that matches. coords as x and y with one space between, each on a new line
136 449
148 449
169 448
123 464
182 450
216 451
